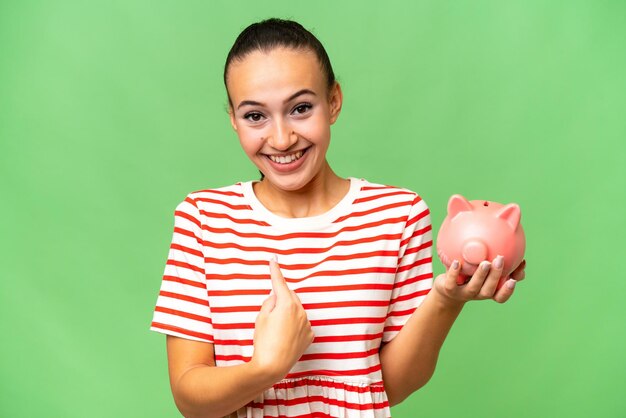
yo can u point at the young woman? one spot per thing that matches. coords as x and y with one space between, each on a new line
296 295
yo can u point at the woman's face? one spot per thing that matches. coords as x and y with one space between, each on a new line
282 112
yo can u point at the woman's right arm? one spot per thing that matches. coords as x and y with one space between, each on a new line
202 390
282 333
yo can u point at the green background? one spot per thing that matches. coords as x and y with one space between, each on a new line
111 111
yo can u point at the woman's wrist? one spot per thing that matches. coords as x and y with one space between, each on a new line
268 373
445 302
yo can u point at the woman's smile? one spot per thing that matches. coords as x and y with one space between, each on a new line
285 163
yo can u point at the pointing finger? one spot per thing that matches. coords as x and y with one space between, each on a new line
279 286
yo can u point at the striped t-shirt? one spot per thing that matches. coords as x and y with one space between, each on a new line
359 269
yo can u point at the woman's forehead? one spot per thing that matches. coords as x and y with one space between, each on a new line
279 72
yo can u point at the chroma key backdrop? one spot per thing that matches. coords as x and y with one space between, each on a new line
112 111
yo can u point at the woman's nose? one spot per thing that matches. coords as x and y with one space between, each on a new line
282 137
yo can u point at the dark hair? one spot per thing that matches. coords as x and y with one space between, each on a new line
272 33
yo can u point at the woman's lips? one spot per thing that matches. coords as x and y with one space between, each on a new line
288 167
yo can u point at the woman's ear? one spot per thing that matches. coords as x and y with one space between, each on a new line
335 100
231 115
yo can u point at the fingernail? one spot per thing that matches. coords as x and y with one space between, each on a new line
486 266
274 259
498 262
511 283
455 264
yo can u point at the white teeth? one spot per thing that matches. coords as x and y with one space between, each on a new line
285 159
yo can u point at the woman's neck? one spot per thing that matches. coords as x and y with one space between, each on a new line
320 195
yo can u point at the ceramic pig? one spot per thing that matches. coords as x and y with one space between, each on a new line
480 230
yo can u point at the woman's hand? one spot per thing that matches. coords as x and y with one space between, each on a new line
482 285
282 330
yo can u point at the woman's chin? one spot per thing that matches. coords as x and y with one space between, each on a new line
291 183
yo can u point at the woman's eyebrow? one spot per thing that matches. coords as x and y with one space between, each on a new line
290 98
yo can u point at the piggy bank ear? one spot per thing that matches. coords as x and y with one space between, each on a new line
511 214
457 204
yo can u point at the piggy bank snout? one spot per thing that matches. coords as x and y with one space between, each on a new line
475 251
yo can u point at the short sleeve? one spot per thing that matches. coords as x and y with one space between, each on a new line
182 307
414 273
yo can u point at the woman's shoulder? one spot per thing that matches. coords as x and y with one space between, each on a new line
232 190
217 198
384 188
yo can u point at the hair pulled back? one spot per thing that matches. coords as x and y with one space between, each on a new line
272 33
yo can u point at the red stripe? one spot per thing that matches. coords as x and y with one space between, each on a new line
184 265
324 372
305 357
401 313
414 279
307 415
420 247
380 187
220 192
301 266
312 289
232 357
305 250
318 339
228 205
419 262
182 331
183 314
191 201
409 296
379 196
374 387
339 356
187 216
343 304
393 328
298 235
309 399
234 342
235 220
343 338
417 233
419 216
189 234
187 298
238 292
183 281
314 322
329 273
364 286
320 305
187 250
374 210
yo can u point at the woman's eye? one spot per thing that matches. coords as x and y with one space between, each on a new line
253 116
302 108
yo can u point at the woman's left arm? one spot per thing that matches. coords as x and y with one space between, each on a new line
408 361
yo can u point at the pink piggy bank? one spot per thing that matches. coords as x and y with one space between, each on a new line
480 230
